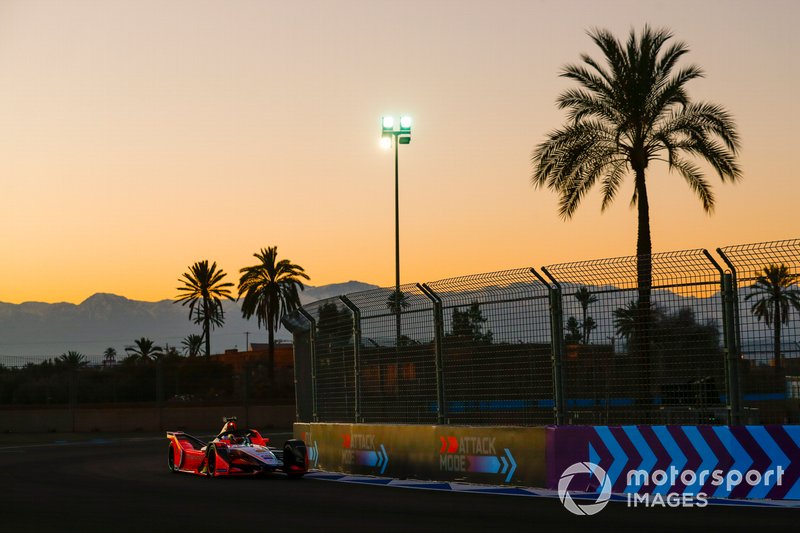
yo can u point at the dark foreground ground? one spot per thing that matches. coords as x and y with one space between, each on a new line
122 484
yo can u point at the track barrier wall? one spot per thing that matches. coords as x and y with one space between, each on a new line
759 462
491 455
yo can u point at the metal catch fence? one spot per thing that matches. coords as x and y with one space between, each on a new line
568 344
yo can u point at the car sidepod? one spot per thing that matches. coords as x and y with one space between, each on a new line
248 460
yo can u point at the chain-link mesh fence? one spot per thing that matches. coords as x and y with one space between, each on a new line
397 361
616 370
496 348
333 359
767 276
577 346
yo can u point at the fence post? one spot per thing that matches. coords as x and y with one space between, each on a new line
356 356
731 329
730 326
557 344
732 350
438 336
730 321
313 350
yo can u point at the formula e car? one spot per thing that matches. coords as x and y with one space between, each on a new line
235 452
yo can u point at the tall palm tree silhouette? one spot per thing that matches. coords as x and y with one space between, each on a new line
628 113
777 292
585 298
270 291
203 289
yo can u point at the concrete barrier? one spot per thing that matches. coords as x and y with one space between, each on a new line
493 455
717 461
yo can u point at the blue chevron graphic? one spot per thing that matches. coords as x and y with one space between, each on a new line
775 455
648 457
741 461
385 459
620 459
709 460
513 463
594 458
794 433
675 454
503 465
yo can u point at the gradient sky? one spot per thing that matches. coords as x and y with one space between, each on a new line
137 137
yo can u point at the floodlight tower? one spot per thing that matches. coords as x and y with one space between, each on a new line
392 135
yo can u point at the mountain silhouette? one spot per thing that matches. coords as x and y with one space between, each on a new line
33 331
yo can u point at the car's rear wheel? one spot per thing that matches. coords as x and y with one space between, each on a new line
171 459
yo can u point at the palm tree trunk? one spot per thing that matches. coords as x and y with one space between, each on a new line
271 355
644 247
644 283
206 326
585 332
777 317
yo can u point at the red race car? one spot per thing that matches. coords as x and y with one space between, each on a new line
235 452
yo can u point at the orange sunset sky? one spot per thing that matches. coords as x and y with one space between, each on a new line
137 137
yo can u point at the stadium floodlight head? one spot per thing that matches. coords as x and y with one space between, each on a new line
405 124
388 124
386 141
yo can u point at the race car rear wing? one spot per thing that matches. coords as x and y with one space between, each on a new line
180 435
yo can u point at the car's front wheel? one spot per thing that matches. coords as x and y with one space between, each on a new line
211 461
171 459
295 459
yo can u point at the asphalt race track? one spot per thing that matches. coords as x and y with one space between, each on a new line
124 485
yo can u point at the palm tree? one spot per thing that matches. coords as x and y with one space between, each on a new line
586 298
192 344
110 356
203 289
71 360
396 302
625 320
630 112
777 293
270 290
573 330
588 326
143 350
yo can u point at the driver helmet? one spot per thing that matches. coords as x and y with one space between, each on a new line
230 426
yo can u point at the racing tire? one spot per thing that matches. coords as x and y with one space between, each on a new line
211 461
171 460
294 454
